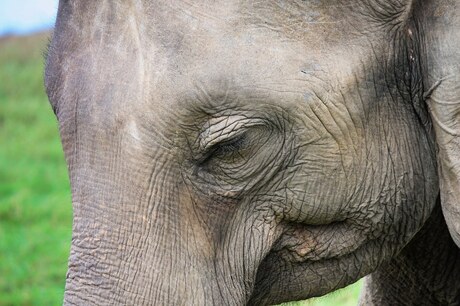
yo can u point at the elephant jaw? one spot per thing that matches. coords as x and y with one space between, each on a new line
320 242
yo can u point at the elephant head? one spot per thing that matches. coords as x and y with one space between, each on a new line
250 152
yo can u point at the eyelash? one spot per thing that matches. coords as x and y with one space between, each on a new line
227 147
230 146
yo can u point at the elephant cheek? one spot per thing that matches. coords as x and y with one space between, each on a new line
231 236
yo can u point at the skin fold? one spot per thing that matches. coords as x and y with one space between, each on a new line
256 152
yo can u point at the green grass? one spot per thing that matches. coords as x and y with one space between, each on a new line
35 203
347 296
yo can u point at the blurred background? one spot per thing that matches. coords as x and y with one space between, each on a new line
35 201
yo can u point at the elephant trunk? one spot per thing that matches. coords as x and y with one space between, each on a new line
136 245
110 262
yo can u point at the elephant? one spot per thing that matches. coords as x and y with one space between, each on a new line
257 152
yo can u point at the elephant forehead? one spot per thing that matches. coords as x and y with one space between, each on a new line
190 35
291 19
269 47
167 52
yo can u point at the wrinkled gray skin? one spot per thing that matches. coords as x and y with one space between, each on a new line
256 152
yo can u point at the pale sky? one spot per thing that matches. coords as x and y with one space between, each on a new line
26 16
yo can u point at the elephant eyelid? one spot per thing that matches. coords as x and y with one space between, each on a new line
225 147
225 130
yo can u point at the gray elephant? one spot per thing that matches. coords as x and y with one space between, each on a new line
256 152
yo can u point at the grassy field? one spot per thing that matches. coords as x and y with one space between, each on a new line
35 203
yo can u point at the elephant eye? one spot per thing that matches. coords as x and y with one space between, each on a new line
228 149
232 153
226 139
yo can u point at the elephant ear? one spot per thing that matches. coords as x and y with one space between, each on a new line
439 30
